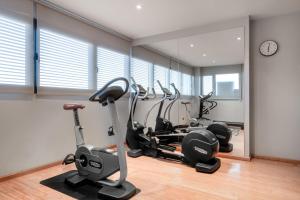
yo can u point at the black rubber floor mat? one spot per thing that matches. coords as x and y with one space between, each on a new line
84 192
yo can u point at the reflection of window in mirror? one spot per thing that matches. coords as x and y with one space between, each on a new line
186 84
207 85
162 74
174 78
225 86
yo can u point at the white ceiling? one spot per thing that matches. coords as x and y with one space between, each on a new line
220 48
160 16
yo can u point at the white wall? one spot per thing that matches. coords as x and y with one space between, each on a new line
228 110
41 132
37 131
275 83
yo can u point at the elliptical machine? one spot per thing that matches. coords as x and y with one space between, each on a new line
93 164
220 129
198 147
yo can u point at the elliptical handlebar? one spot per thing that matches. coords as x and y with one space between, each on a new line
173 100
101 93
176 90
204 98
139 89
166 92
152 95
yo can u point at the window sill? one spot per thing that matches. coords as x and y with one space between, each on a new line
16 89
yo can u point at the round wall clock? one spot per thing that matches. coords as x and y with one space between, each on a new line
268 48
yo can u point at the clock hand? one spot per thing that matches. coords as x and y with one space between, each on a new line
269 47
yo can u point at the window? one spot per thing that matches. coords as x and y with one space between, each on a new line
175 78
227 85
161 74
64 61
13 53
207 84
186 84
110 65
141 72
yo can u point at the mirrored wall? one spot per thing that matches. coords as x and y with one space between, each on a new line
207 69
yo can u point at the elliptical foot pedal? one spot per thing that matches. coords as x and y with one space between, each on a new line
209 167
124 191
74 180
228 148
134 153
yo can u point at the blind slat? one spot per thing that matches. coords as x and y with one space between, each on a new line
110 65
12 52
140 71
64 61
162 74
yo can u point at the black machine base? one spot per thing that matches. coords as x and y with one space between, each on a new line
228 148
87 191
210 167
134 153
124 191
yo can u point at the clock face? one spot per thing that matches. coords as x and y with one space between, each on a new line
268 48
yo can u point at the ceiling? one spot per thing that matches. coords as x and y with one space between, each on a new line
211 49
160 16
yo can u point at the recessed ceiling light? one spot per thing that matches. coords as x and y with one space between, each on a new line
192 45
138 7
204 55
238 38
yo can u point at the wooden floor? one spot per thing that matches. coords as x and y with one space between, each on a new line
237 140
158 179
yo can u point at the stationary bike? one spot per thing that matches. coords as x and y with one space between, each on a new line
97 164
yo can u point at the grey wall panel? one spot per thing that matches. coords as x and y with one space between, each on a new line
275 88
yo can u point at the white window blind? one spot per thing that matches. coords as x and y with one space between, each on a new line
186 84
63 61
110 65
161 74
175 78
12 52
141 72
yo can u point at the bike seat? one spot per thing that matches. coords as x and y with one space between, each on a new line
185 102
73 106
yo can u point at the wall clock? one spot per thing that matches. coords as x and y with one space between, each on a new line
268 48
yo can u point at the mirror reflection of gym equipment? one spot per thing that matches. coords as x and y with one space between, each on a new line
147 99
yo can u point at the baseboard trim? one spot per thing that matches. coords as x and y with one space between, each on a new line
222 155
29 171
285 160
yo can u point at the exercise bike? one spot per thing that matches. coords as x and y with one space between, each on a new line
93 164
198 147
